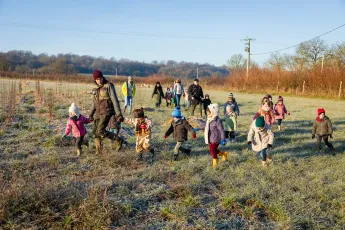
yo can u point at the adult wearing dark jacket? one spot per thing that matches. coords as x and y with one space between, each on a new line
158 94
195 95
105 105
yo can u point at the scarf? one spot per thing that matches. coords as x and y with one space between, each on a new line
319 120
207 129
138 130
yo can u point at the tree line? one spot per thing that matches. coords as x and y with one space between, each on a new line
27 62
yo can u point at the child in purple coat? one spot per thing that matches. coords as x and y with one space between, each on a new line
214 133
76 123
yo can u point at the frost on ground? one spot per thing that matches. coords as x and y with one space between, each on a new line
43 184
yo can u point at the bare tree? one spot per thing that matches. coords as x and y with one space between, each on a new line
276 61
312 51
236 62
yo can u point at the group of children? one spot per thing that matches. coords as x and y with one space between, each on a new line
217 131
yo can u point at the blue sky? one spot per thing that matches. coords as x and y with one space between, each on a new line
274 24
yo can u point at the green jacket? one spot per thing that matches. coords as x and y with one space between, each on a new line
230 123
322 128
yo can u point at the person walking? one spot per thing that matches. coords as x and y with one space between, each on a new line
196 96
158 94
105 105
128 91
178 91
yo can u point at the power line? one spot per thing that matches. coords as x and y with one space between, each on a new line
301 42
126 33
113 32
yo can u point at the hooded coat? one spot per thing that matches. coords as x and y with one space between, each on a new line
214 130
260 139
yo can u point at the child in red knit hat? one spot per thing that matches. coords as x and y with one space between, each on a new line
322 128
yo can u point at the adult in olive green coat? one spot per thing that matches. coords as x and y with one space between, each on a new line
105 105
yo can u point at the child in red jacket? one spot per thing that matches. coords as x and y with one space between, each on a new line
280 111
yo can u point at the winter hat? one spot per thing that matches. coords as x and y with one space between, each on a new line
214 108
280 98
74 109
322 110
265 107
176 112
138 113
268 96
260 122
97 74
231 95
206 95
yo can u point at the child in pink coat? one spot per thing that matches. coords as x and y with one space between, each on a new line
76 123
280 111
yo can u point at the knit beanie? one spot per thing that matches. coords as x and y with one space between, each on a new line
268 96
280 98
176 112
322 110
97 74
74 109
260 122
231 95
138 113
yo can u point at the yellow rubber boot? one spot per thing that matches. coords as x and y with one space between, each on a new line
98 145
215 163
223 154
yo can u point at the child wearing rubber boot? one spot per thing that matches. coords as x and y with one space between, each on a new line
214 134
261 137
179 127
75 123
322 128
230 125
143 128
280 111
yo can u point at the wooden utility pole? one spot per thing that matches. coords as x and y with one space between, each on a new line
247 49
323 58
197 72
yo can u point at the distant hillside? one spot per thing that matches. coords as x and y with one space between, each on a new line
26 62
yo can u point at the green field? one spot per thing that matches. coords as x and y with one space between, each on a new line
44 185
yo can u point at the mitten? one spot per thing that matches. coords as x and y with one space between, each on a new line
222 142
120 118
194 135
